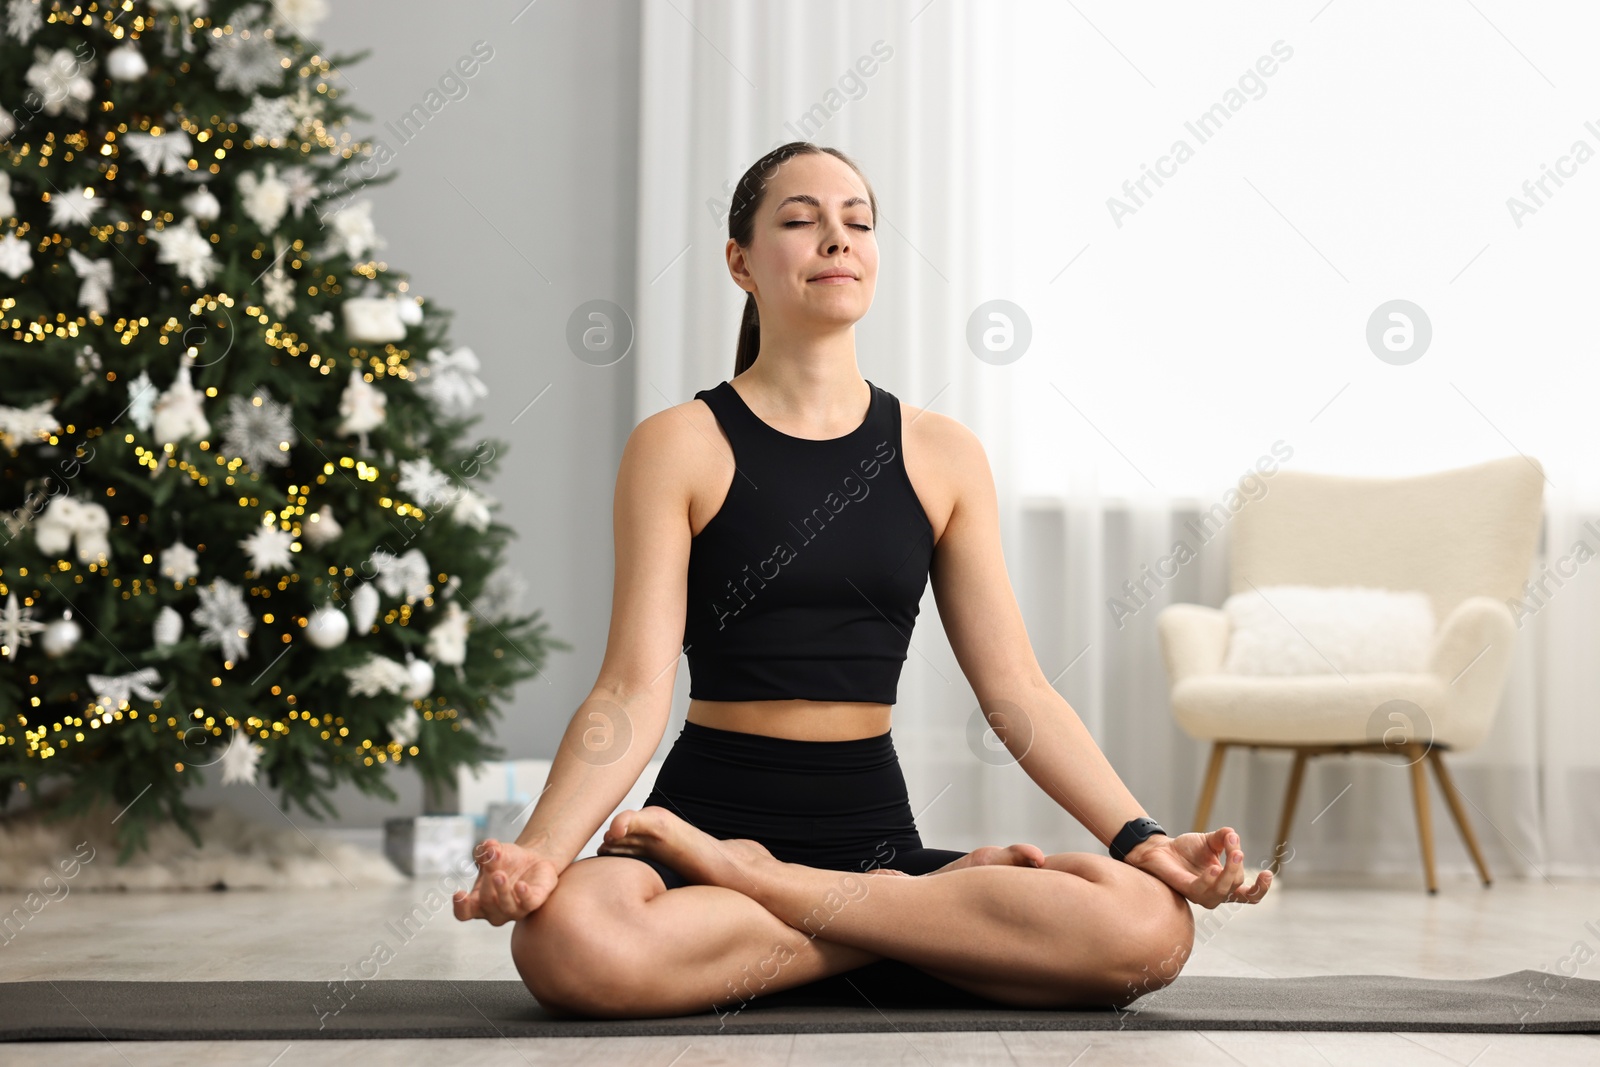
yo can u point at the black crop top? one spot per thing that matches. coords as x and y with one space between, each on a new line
806 583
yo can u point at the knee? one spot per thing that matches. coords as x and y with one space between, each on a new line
1161 938
569 955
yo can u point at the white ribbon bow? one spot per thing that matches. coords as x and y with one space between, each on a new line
165 153
94 281
112 691
67 520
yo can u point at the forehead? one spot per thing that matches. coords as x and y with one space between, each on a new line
818 175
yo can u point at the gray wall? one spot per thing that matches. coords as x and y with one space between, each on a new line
513 204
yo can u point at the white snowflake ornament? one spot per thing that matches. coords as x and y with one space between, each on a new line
141 400
8 206
450 380
73 207
270 549
22 19
178 563
186 250
301 186
351 231
266 197
17 627
269 118
258 430
401 576
378 674
224 619
240 759
16 257
472 509
423 482
245 61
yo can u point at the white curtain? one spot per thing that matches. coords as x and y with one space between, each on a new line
1172 344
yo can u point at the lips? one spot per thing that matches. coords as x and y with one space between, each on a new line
835 275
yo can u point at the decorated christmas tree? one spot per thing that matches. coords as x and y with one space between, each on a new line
245 525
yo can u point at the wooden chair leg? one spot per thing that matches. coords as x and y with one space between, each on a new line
1452 798
1208 791
1419 794
1291 796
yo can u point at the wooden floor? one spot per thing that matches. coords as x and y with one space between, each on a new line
1322 928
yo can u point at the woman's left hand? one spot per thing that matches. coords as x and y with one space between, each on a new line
1194 865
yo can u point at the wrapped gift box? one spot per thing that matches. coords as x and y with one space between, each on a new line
498 797
427 845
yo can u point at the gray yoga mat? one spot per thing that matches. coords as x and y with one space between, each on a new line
1525 1001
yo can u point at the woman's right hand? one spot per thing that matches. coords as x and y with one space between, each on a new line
513 881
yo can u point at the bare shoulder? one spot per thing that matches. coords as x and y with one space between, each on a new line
680 451
945 461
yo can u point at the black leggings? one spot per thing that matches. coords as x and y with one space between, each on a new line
838 805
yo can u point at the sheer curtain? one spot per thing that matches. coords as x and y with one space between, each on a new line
1186 310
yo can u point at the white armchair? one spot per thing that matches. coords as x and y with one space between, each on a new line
1465 537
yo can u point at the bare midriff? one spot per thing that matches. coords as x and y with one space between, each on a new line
797 720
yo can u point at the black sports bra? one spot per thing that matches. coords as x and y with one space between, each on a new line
806 583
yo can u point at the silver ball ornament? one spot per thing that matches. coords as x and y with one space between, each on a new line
421 684
61 636
327 627
126 64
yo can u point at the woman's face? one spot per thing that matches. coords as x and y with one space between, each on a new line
815 217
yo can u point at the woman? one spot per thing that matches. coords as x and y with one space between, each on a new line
786 539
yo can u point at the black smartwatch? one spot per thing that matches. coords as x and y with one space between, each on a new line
1132 833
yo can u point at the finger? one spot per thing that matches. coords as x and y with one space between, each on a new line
466 906
1231 872
486 852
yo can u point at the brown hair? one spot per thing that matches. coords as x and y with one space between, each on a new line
747 198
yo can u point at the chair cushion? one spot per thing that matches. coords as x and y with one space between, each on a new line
1303 629
1311 709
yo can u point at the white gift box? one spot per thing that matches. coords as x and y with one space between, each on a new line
427 845
373 319
510 786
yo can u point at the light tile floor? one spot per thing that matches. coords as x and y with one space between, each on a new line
1300 929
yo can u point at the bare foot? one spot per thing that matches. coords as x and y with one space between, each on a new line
702 859
994 855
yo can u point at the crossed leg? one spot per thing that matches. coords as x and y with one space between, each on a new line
612 941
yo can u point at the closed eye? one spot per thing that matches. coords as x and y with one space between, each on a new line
807 222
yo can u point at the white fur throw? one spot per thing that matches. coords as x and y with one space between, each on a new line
1302 629
77 852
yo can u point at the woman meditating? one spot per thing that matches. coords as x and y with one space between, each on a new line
779 530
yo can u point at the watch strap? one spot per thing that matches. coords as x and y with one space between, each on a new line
1133 832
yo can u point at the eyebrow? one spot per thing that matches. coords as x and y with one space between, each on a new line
807 198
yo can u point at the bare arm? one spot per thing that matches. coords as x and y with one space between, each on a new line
616 729
986 631
1035 722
